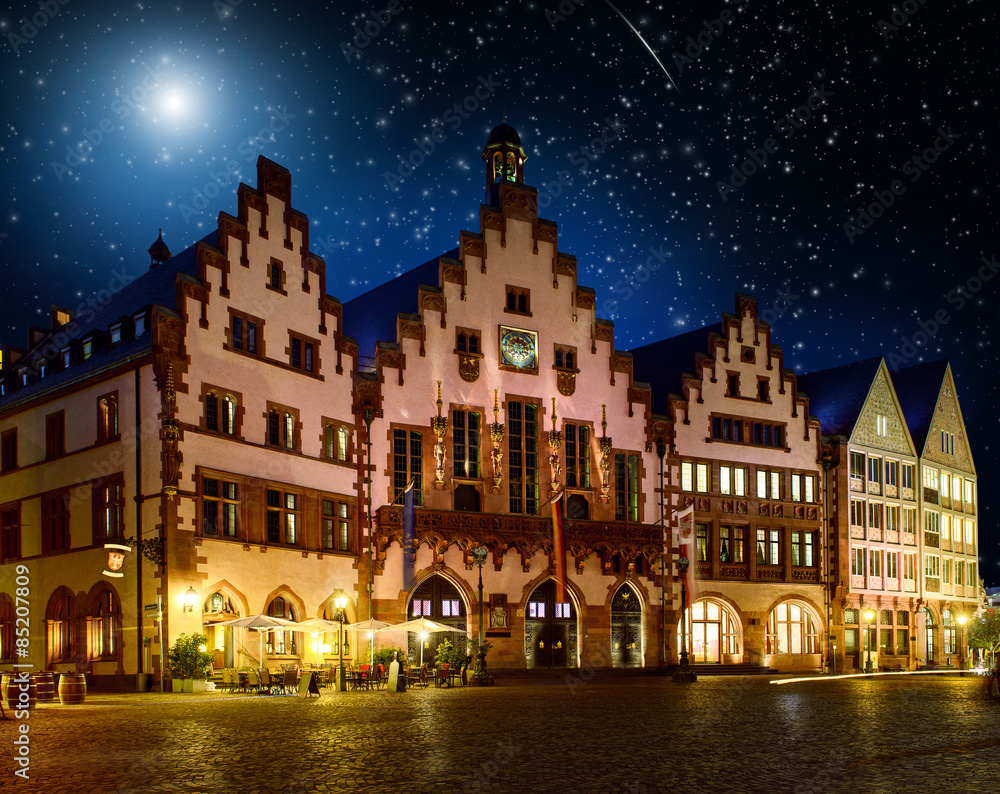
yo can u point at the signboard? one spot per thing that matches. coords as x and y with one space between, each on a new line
153 609
116 559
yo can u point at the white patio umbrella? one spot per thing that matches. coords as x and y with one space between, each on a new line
261 624
423 626
371 626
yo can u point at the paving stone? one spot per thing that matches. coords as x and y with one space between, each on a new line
609 735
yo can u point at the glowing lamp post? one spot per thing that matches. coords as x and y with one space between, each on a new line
961 645
340 599
869 617
190 597
479 555
684 672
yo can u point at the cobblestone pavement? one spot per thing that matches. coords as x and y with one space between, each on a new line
627 735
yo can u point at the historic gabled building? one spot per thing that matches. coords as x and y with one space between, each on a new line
222 437
495 388
877 543
947 499
746 455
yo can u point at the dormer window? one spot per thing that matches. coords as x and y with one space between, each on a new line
65 357
116 333
88 348
24 376
41 370
140 323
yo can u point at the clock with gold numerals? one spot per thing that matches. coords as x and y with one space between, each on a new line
518 348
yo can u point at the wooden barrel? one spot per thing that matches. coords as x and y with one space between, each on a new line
11 692
72 688
45 686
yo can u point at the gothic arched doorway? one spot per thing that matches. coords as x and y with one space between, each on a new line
626 628
436 599
550 633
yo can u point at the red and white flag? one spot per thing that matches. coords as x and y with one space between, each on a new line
685 546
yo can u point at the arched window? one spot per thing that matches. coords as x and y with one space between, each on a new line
7 641
473 343
511 301
462 342
929 632
948 621
792 628
273 427
105 621
329 443
281 643
497 166
439 600
522 303
61 624
714 631
228 415
569 359
211 411
288 435
331 639
342 441
107 418
511 172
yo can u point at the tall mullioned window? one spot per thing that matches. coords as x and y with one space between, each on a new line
626 487
407 463
220 508
577 456
465 443
522 445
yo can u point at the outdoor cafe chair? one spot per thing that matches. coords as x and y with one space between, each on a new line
442 674
227 680
253 680
291 681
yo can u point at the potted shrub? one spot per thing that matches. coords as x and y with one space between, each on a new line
190 663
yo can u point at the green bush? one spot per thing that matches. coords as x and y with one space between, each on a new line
384 656
185 659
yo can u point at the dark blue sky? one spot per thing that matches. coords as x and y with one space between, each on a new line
120 119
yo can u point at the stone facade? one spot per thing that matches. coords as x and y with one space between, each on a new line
252 440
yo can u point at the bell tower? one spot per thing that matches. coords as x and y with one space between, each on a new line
504 158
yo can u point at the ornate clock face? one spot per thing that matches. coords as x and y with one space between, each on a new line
518 348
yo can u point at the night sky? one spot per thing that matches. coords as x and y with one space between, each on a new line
119 119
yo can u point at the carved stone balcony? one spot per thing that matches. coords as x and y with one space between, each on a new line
500 532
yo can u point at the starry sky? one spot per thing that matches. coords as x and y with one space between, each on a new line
838 160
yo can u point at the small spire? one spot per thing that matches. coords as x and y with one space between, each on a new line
158 251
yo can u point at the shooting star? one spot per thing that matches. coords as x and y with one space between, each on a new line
637 33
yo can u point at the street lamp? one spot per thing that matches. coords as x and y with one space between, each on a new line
190 597
340 599
869 616
961 646
479 555
684 672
